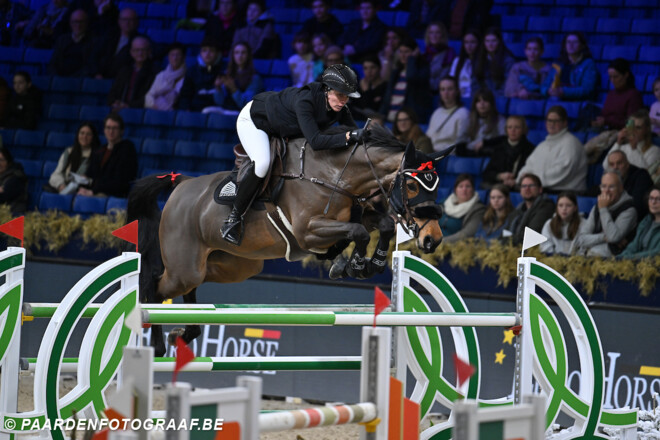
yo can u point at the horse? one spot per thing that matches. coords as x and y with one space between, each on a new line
382 178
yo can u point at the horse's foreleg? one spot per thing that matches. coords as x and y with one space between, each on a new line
376 264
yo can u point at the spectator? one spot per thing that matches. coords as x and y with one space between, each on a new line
320 43
117 46
47 24
449 122
611 223
508 156
563 227
575 77
301 63
408 83
636 141
103 16
14 16
388 54
437 52
13 183
466 14
525 77
533 211
323 22
463 211
24 104
654 113
363 36
75 53
647 239
406 129
622 101
164 91
425 12
240 83
259 31
222 25
494 62
5 94
371 88
199 84
333 55
485 122
636 181
463 66
560 160
133 82
654 171
75 159
497 213
113 167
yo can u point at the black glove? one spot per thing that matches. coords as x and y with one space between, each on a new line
358 135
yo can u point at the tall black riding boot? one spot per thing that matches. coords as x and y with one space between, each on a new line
232 229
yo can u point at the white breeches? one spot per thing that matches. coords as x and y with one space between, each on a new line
255 142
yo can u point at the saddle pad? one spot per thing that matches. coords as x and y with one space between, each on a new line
225 193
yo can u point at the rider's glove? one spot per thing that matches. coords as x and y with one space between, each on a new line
358 135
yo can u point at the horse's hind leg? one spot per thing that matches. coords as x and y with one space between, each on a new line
184 258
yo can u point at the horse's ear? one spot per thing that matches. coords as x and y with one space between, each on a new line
410 154
438 156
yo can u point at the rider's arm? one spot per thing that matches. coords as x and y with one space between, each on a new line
310 129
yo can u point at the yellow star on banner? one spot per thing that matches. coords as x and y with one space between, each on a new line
499 357
508 337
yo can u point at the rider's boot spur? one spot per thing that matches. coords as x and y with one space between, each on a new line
232 229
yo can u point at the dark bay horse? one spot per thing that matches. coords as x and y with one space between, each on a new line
182 247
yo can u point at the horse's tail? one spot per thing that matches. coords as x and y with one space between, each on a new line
143 206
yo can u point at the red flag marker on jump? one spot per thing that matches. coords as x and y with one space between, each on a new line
381 301
14 228
464 370
183 355
128 233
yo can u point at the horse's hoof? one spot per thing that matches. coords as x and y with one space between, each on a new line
338 269
174 334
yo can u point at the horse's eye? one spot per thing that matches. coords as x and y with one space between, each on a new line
412 186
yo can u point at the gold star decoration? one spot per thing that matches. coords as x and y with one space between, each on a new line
508 337
499 357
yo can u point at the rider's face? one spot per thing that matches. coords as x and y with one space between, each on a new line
336 100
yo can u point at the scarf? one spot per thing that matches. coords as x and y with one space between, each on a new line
458 210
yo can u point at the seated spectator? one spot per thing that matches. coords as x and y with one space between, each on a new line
654 171
437 52
14 16
406 129
533 211
449 122
164 91
323 22
388 53
364 35
563 227
116 52
240 83
320 43
133 82
103 16
5 94
259 31
199 83
24 104
47 24
222 25
611 223
333 55
560 160
114 166
654 113
622 101
13 183
497 213
463 211
425 12
408 83
485 122
75 53
525 77
494 62
574 77
636 181
647 239
636 141
371 88
301 63
462 67
75 159
508 156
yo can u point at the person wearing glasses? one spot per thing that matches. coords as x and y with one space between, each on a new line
647 239
560 160
636 141
611 222
533 211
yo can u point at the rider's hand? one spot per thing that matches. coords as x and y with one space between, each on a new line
357 135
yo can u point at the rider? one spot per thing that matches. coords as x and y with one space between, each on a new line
290 113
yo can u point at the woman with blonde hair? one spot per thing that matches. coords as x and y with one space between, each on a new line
437 52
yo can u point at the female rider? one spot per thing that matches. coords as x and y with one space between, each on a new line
290 113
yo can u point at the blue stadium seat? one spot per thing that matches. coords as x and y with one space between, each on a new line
159 118
458 165
218 150
158 147
345 15
189 38
544 24
649 83
594 173
613 25
190 149
572 108
65 84
401 19
649 54
502 105
49 167
583 24
443 193
161 36
186 134
280 68
32 168
51 201
161 10
140 8
116 203
612 52
586 203
137 142
87 206
93 112
11 54
59 140
143 131
514 23
262 66
276 84
221 122
190 119
66 112
551 51
609 3
7 135
387 17
133 116
645 26
525 107
516 198
96 86
483 195
641 3
29 138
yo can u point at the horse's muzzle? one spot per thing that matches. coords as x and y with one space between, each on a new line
430 244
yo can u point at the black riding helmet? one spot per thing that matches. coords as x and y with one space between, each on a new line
341 78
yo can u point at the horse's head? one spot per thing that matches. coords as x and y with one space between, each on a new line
414 194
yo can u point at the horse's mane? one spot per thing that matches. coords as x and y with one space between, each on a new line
379 136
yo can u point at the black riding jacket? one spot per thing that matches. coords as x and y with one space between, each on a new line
295 111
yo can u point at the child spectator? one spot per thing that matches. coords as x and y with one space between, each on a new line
485 121
320 43
199 83
406 129
222 25
13 183
636 141
301 62
449 122
497 213
647 239
508 156
133 82
24 104
240 83
563 227
463 211
75 159
371 88
525 77
494 61
75 53
463 66
622 101
654 113
164 91
387 55
574 77
259 31
364 35
323 22
437 52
